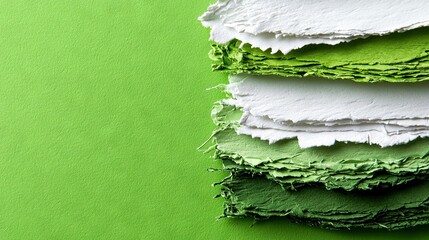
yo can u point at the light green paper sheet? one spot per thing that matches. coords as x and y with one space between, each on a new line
398 57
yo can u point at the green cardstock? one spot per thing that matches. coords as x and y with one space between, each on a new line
102 105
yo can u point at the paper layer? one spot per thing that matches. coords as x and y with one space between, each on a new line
286 25
320 112
382 208
400 57
345 166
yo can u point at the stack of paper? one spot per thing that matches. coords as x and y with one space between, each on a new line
345 166
254 196
328 152
400 57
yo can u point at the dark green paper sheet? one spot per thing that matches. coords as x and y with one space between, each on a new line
258 197
398 57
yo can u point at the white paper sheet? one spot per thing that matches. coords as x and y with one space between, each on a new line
290 24
319 112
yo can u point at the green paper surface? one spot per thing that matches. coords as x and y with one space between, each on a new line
103 104
344 166
397 57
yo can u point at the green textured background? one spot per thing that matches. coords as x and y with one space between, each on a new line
102 105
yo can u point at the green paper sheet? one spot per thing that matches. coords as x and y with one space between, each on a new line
254 196
398 57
